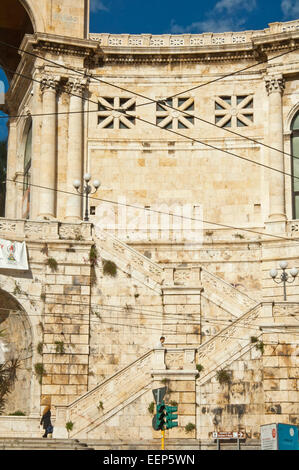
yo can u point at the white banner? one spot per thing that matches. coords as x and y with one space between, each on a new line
13 255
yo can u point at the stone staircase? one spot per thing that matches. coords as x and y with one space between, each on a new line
115 393
229 344
129 384
15 443
225 295
132 262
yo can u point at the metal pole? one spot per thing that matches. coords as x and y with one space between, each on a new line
86 218
163 440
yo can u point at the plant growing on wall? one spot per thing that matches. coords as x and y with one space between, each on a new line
39 348
189 427
17 413
223 376
109 268
93 256
199 367
39 371
8 374
100 406
69 426
59 347
52 263
260 346
151 408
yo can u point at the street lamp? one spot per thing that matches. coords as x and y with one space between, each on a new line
87 190
284 277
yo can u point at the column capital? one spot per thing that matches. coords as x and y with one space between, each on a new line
49 83
275 83
77 86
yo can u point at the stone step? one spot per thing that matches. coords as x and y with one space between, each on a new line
42 444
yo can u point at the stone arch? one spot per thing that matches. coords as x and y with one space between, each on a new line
290 117
20 330
17 19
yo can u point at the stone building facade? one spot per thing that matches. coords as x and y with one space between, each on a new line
201 127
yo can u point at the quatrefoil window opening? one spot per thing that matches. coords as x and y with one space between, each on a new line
234 111
116 112
168 118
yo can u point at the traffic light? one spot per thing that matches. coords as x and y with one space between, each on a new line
171 417
160 418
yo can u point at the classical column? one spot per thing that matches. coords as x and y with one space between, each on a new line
275 85
76 88
48 149
11 187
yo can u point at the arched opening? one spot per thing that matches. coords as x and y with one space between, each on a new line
295 165
15 22
16 343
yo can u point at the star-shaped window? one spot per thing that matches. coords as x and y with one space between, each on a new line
117 113
234 111
176 118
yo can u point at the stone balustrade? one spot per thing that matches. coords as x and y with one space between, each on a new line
191 40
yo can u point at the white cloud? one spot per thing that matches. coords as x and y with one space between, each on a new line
223 17
290 9
97 5
229 6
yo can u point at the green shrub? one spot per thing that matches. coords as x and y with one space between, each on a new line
40 348
199 367
52 263
109 268
69 426
151 408
223 377
189 427
17 413
39 370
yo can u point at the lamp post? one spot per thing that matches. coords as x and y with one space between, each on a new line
284 277
87 190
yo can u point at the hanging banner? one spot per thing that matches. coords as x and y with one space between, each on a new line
13 255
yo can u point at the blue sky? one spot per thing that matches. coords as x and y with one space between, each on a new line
189 16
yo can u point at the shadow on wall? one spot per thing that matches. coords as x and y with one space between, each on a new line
16 343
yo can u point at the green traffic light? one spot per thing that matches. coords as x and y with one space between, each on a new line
171 417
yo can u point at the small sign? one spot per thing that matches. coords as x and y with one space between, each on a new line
229 435
159 394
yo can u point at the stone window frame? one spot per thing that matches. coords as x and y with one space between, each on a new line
234 110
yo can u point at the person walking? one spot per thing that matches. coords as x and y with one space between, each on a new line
46 422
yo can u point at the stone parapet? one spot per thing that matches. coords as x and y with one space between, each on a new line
20 229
